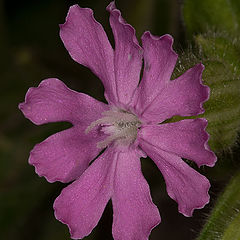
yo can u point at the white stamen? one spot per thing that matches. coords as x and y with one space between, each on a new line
120 125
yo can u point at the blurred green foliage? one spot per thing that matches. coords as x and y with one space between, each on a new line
223 223
222 15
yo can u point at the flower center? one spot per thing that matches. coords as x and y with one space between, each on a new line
120 126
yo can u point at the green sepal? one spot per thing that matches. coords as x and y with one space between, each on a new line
224 220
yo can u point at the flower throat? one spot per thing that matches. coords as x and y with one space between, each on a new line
120 126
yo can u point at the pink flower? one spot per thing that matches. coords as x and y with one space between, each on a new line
127 128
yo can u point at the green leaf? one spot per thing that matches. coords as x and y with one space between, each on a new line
221 15
223 222
235 4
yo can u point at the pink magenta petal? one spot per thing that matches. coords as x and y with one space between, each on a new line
53 101
159 62
128 56
65 155
81 204
185 185
87 43
186 138
183 96
134 214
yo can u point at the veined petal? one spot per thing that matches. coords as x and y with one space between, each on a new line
53 101
87 43
183 96
186 138
127 55
184 185
64 156
134 214
81 204
159 62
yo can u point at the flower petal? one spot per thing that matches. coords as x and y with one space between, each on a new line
127 56
183 96
81 204
65 155
186 138
53 101
185 185
159 62
134 214
87 43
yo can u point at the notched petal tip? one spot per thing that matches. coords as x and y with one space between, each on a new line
22 107
73 10
58 205
72 13
57 214
25 106
116 13
166 38
213 158
206 90
38 171
195 76
28 106
188 212
111 6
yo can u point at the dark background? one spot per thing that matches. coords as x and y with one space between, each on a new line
31 51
